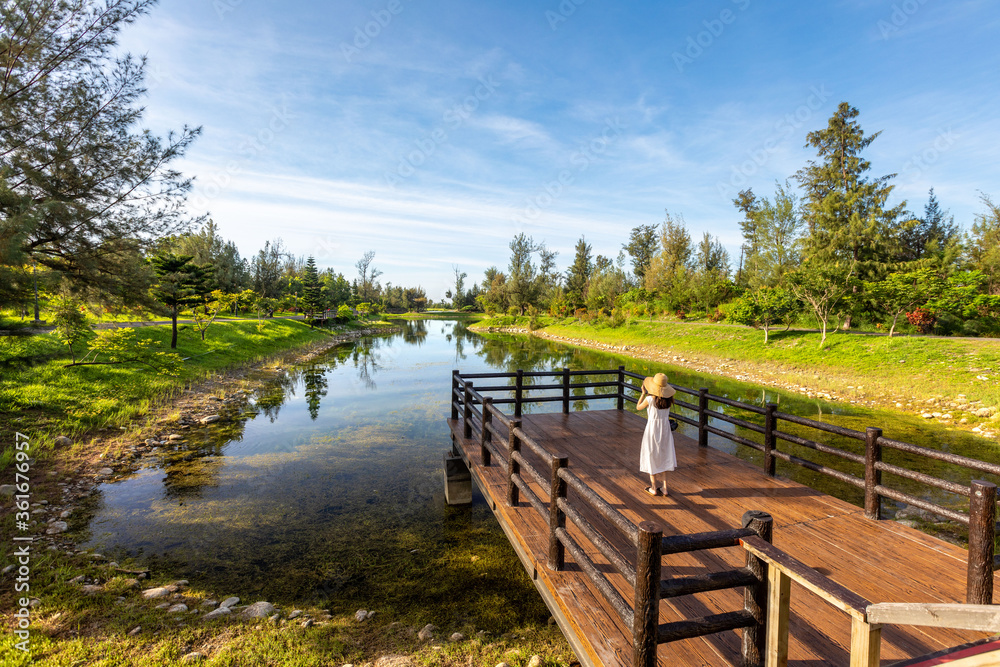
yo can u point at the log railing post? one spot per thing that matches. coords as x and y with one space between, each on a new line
486 436
518 392
982 531
621 387
467 412
703 417
645 621
454 387
873 476
769 441
755 596
513 467
565 389
557 518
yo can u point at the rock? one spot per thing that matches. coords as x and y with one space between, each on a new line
91 589
221 611
984 412
229 602
295 614
105 472
946 415
308 623
456 637
426 632
56 527
360 615
192 658
62 441
536 661
211 419
258 610
158 592
175 437
177 609
75 580
134 631
927 415
209 604
394 661
502 664
165 605
909 523
7 489
67 514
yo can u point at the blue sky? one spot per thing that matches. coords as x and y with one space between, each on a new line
433 132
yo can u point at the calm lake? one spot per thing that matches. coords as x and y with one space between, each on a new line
327 489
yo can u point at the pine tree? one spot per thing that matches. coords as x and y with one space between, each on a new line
641 247
179 283
578 275
929 235
313 299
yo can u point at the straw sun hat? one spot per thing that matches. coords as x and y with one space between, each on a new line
658 386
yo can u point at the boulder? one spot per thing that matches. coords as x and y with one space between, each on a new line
158 592
211 419
216 613
56 527
177 609
62 441
258 610
426 632
229 602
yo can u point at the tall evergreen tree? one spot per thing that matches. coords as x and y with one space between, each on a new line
984 244
578 274
641 248
930 235
746 202
845 209
82 188
313 299
777 227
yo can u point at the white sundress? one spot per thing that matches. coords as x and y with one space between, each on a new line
657 452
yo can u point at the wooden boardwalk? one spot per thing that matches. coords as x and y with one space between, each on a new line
882 561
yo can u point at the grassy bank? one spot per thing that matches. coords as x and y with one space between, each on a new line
434 315
39 396
901 372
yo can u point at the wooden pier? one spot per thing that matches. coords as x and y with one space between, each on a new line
735 566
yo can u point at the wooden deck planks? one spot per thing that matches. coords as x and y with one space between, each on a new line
882 561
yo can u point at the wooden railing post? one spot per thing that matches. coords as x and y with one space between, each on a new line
703 417
565 389
866 643
873 476
513 467
467 412
779 596
621 387
645 622
518 392
557 518
486 436
770 422
454 386
982 530
755 596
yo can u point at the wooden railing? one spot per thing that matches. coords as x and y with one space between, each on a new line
766 577
980 519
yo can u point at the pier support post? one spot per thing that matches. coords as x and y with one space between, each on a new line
769 441
518 392
703 417
873 476
565 388
621 387
557 518
486 437
982 530
513 467
467 412
646 621
755 596
457 481
454 389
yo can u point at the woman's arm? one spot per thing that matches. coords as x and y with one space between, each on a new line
643 401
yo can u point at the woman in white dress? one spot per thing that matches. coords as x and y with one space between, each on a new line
656 456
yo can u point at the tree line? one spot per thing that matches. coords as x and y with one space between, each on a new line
830 248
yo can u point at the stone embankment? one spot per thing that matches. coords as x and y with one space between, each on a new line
956 411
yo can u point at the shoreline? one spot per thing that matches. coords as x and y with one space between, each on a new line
935 410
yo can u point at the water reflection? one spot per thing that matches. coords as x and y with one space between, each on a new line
324 484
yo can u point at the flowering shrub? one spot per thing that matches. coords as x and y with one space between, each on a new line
922 319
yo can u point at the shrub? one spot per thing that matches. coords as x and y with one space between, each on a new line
922 319
344 312
716 316
680 314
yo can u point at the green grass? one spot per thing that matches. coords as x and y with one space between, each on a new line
885 369
435 315
41 397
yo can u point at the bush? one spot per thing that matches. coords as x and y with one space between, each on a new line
514 311
922 319
680 314
344 313
716 316
617 318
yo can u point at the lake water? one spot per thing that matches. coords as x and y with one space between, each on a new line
328 489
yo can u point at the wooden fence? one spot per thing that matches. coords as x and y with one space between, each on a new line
768 571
